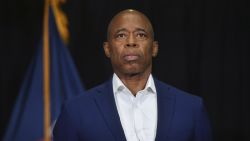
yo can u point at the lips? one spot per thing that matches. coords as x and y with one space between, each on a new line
131 57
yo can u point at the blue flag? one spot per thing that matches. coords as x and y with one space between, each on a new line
27 121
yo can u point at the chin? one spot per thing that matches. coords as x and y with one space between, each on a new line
132 71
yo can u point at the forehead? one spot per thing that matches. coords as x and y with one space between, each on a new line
129 21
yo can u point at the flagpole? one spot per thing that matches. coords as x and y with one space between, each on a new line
46 72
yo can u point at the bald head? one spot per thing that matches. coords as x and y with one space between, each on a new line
130 44
125 13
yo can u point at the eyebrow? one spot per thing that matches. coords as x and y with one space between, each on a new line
136 30
141 29
120 30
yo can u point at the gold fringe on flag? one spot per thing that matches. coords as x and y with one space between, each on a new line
61 19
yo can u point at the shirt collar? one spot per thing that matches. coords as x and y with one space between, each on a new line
119 86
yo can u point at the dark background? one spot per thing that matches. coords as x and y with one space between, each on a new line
204 50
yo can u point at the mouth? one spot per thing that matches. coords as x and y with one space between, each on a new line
131 57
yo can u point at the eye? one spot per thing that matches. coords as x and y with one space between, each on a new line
120 36
141 35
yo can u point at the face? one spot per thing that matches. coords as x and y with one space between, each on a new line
130 44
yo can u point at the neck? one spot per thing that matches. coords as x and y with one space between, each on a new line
134 82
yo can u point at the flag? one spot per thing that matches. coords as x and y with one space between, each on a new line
51 79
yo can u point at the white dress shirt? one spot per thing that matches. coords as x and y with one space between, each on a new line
138 114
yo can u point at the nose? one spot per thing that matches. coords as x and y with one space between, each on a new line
131 41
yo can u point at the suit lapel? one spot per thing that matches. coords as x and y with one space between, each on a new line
165 103
106 103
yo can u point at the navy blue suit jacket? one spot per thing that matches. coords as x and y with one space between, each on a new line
94 116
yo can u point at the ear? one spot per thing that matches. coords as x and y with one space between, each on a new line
106 49
155 49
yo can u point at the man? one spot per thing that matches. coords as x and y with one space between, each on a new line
133 106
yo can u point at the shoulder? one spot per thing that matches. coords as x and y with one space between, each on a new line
184 103
85 99
179 95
